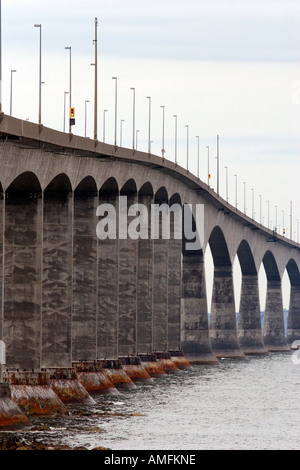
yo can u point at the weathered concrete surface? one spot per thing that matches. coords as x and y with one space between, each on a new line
293 331
33 393
67 387
223 331
151 365
178 358
195 340
165 360
11 415
249 322
115 372
93 378
85 288
273 331
133 367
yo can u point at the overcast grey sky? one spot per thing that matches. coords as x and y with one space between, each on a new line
226 67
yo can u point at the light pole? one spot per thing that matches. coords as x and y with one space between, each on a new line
133 118
175 116
208 174
136 140
187 147
85 103
70 87
65 93
121 132
0 57
244 183
276 218
116 106
40 74
198 157
96 81
236 191
11 75
149 130
104 114
226 168
163 134
218 165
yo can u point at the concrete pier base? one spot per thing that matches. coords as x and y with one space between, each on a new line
11 415
195 340
179 360
67 386
165 360
33 393
151 365
273 331
133 367
113 369
249 323
93 378
223 331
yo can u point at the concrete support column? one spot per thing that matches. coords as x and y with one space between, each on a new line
85 281
22 273
293 332
108 287
160 295
195 340
223 331
1 261
249 323
128 255
174 291
145 285
273 331
57 287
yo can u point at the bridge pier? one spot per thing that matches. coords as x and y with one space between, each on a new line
293 331
195 341
108 284
273 331
223 331
249 322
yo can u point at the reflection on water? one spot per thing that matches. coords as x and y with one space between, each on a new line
250 404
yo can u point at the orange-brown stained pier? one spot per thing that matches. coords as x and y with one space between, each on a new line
67 386
11 415
114 370
178 358
165 360
151 365
91 375
133 367
33 393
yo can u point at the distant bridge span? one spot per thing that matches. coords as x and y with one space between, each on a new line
66 295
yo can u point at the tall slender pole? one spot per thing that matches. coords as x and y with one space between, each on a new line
85 103
133 119
70 87
163 134
187 147
116 106
65 93
0 57
236 191
208 175
40 74
226 183
96 82
198 157
11 81
218 165
175 116
149 130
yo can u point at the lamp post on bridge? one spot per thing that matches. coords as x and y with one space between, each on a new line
40 74
70 86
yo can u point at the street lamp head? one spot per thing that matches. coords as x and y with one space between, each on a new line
68 47
37 25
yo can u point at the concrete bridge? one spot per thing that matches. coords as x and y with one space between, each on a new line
67 296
